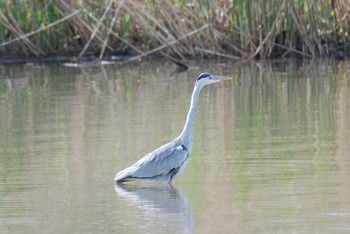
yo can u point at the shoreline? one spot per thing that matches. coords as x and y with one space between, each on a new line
44 30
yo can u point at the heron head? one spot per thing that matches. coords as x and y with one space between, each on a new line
207 78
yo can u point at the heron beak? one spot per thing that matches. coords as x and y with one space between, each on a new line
220 78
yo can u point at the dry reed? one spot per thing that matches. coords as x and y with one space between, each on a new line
243 29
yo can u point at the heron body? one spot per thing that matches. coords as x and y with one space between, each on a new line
168 160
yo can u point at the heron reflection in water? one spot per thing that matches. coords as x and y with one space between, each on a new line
169 160
159 207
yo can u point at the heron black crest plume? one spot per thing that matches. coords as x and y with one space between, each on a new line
203 75
169 160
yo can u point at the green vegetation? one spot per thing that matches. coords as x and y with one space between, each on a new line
241 29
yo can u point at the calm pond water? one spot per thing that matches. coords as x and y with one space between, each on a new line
271 151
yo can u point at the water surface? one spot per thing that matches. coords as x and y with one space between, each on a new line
271 150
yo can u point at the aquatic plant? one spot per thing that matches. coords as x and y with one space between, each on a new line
236 29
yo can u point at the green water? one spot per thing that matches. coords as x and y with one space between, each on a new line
271 151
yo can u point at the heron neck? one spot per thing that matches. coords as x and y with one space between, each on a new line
187 132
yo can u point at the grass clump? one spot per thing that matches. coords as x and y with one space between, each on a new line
236 29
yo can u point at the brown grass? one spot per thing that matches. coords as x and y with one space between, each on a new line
177 29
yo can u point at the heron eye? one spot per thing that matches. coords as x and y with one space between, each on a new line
203 75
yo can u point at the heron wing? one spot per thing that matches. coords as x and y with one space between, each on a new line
164 160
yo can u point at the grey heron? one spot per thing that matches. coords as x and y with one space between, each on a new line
168 160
